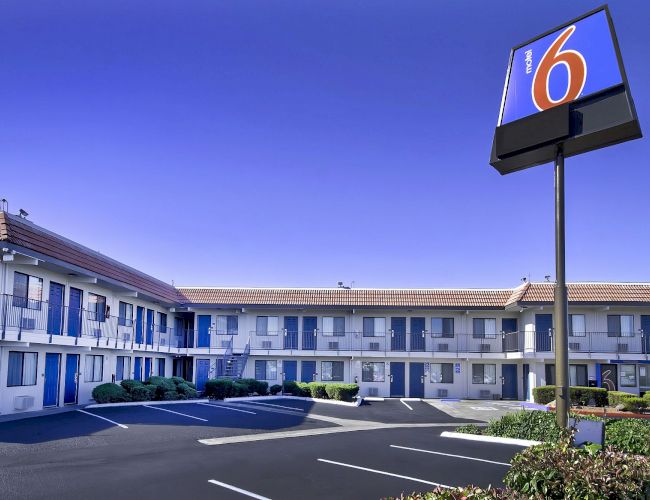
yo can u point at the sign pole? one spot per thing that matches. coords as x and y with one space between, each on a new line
562 398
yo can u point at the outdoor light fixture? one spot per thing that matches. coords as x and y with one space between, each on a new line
22 213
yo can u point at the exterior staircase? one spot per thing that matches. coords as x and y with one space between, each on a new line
234 363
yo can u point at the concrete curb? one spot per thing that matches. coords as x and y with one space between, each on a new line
374 398
299 398
142 403
489 439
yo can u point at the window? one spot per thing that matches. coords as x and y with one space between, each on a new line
577 326
442 327
334 326
28 291
162 322
442 373
94 368
484 374
620 325
266 370
628 375
160 367
577 375
373 372
228 325
22 368
126 314
485 328
644 376
96 307
331 371
123 368
374 327
267 325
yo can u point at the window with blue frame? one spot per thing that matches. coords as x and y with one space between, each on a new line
484 374
229 325
332 371
96 307
267 325
334 326
160 367
485 328
373 371
442 373
442 327
266 369
126 314
94 368
374 327
21 369
620 325
28 291
123 368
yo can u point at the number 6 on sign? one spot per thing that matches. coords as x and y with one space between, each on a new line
576 67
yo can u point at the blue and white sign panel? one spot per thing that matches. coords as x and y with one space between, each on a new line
572 62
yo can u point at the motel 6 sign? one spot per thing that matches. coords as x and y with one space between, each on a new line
566 87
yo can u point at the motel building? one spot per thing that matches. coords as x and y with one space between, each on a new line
72 318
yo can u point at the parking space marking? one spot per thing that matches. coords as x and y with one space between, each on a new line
417 480
104 418
406 404
227 408
449 455
238 490
176 413
277 406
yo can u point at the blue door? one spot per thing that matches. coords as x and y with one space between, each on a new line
417 334
526 386
74 312
204 331
398 334
139 319
291 332
645 326
290 370
52 371
137 368
309 326
307 371
202 373
416 380
147 368
71 379
55 309
510 335
509 374
150 327
397 382
543 324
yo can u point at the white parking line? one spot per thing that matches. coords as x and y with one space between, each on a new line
405 404
277 406
104 418
238 490
176 413
417 480
227 408
449 455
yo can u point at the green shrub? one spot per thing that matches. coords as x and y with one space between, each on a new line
239 390
275 388
110 393
304 389
531 424
291 387
141 393
646 396
465 492
630 435
161 385
317 390
153 392
173 396
469 429
130 384
562 471
156 380
635 404
179 380
186 390
582 396
616 398
544 394
255 386
219 388
341 392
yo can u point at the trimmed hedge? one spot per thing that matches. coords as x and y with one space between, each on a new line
581 396
635 404
219 388
275 389
296 388
317 390
342 392
110 393
618 397
255 386
534 425
130 384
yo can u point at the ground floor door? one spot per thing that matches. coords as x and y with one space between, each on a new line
307 371
397 382
509 381
290 369
202 373
71 379
416 380
525 381
183 367
147 368
137 368
609 377
52 377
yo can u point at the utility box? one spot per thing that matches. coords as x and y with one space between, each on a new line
23 402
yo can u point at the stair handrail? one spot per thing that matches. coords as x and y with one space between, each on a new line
227 354
244 358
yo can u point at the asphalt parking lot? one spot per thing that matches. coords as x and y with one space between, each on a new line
282 449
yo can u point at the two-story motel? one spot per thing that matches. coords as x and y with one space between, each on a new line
72 318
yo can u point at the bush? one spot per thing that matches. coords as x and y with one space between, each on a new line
156 380
465 492
317 390
110 393
186 391
616 398
255 386
535 425
630 435
275 388
543 395
635 404
341 392
291 387
304 389
130 384
219 388
173 396
141 393
469 429
153 392
239 390
579 395
161 385
180 380
561 471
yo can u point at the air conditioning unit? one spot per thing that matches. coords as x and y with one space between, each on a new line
483 394
28 324
622 348
485 347
267 344
373 391
333 346
574 346
443 393
443 347
374 346
23 402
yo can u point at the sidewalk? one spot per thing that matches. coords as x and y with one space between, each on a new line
40 413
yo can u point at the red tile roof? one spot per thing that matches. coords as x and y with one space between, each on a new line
589 293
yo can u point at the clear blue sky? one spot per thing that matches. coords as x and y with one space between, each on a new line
291 143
